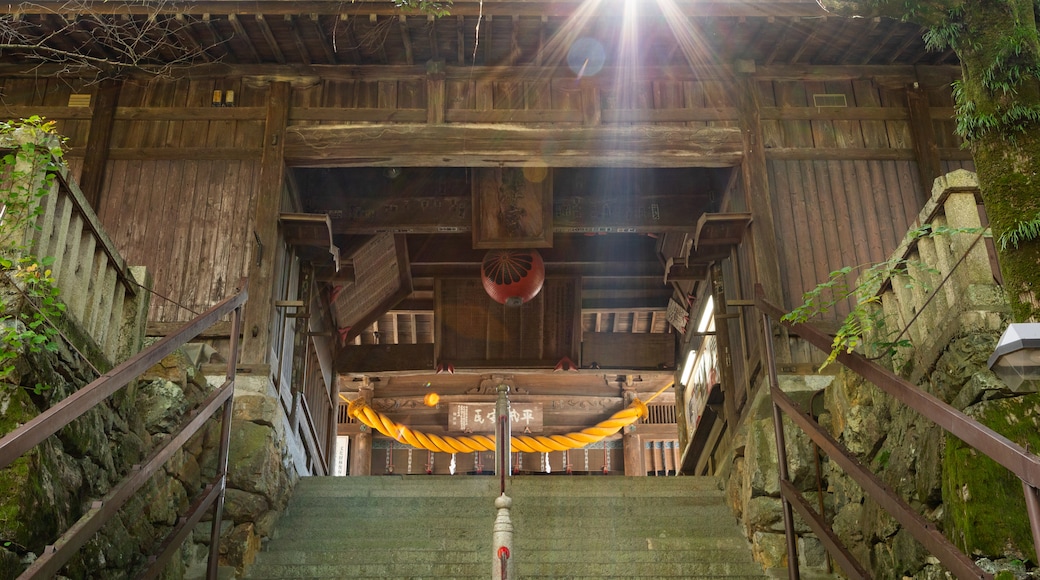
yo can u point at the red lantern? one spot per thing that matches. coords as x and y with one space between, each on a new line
512 277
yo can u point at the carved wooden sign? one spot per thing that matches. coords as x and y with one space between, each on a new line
480 417
511 210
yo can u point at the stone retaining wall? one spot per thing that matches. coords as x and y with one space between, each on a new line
978 505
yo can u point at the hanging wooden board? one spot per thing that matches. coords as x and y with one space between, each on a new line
512 208
480 417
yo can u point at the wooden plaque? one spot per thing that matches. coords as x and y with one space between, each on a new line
510 210
480 417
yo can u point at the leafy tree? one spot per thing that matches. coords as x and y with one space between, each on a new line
998 114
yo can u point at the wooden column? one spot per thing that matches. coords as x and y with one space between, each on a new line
591 110
926 151
436 92
92 176
259 310
630 439
756 188
725 353
361 454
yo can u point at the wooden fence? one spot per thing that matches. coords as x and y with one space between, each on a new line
959 290
102 296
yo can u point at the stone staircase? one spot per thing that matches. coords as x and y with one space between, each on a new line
433 527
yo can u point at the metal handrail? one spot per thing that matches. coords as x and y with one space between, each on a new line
35 431
1019 461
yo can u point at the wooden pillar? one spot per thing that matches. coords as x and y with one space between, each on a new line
436 92
926 151
92 176
259 310
361 454
631 444
755 174
725 353
591 110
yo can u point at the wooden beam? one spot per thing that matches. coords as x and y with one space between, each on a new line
95 159
511 145
557 8
406 38
260 308
265 29
290 20
240 30
765 269
319 33
926 151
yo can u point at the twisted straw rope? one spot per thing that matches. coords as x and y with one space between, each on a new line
524 443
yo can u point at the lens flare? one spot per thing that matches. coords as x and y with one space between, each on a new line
431 399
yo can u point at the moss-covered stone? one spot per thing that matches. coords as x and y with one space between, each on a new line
984 504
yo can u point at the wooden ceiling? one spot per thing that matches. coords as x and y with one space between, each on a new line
118 33
608 226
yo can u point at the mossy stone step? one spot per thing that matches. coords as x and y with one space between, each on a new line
439 528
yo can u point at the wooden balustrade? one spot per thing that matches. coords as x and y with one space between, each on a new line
958 289
101 293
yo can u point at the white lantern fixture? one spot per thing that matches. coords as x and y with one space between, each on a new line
1016 358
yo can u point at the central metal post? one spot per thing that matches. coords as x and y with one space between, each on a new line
502 531
503 435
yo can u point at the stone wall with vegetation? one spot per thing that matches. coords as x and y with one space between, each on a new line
46 354
978 505
44 492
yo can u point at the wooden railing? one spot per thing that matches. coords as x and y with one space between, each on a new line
318 420
32 433
951 283
957 291
100 293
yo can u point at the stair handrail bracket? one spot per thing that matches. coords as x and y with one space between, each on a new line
1019 461
32 433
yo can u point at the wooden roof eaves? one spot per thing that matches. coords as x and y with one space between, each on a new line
767 8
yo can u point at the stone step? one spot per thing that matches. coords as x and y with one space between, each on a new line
431 486
436 527
295 542
524 569
401 554
530 509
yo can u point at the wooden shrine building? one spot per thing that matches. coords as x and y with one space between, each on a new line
356 162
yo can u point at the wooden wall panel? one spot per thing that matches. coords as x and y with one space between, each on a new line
831 214
188 222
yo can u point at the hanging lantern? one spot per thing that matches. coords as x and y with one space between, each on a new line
512 277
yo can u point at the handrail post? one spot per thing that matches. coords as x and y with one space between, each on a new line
502 531
213 562
1033 509
781 450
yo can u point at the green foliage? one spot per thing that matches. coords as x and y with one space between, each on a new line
866 324
1023 231
28 171
883 457
436 8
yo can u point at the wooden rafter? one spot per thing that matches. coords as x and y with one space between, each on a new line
243 36
265 29
406 39
319 34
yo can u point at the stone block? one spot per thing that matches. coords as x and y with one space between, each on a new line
243 544
243 506
769 549
258 408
